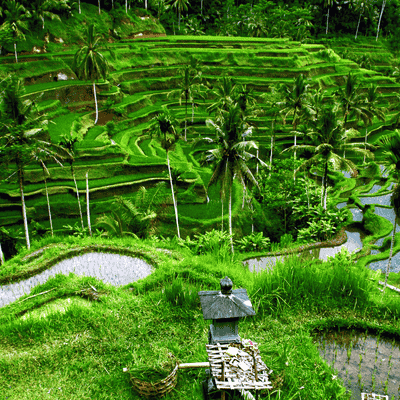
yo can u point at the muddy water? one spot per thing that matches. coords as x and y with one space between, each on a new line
365 363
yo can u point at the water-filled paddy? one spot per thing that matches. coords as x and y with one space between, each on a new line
111 268
365 363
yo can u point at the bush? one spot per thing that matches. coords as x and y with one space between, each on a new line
253 242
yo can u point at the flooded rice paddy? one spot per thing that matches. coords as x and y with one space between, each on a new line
111 268
365 363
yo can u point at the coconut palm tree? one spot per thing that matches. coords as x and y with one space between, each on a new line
352 100
224 92
380 18
180 5
68 142
164 128
186 88
373 98
230 154
295 100
41 10
391 160
90 64
329 136
22 137
15 21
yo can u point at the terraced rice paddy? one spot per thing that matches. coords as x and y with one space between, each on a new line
142 76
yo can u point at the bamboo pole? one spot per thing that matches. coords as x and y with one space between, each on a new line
194 365
1 256
87 201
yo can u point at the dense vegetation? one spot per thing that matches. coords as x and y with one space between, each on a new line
199 151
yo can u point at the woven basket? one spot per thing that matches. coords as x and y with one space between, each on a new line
156 389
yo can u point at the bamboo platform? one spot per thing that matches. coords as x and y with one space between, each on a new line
243 371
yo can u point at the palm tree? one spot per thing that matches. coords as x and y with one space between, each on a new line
22 139
164 127
180 5
69 144
186 87
90 64
40 11
295 101
15 21
40 157
327 3
230 153
329 137
380 18
373 98
224 92
391 160
352 100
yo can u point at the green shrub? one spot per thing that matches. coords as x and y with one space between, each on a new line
253 242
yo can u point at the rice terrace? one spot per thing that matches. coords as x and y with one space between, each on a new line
199 199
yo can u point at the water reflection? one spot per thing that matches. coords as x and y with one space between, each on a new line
365 363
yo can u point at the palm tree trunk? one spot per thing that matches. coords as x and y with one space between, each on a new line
186 120
391 253
222 221
77 195
173 196
230 214
21 188
79 6
365 147
270 158
95 101
257 164
380 17
126 6
48 204
87 203
1 256
99 6
325 182
327 22
15 51
145 4
179 20
358 25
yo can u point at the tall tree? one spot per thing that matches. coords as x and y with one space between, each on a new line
90 64
41 9
230 154
352 100
15 21
22 137
329 137
373 99
294 102
164 127
180 6
186 88
68 142
391 160
224 93
380 18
